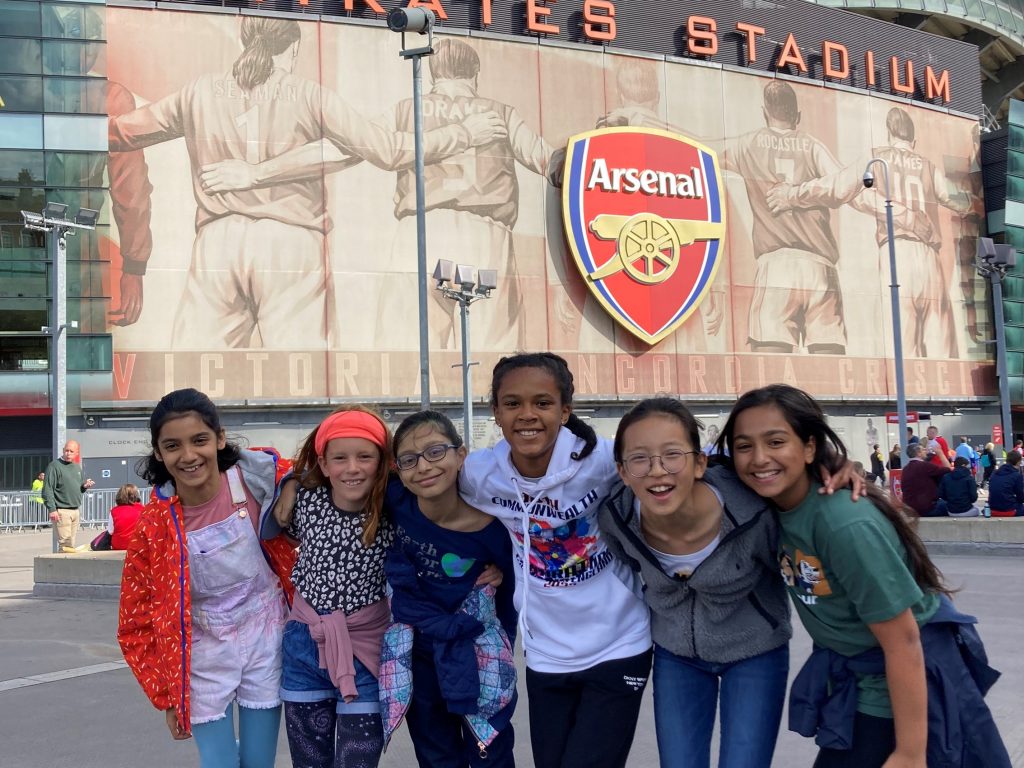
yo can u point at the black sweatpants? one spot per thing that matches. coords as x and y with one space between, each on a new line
586 719
874 740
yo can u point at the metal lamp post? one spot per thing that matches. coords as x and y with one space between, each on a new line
894 292
422 22
53 221
457 283
992 262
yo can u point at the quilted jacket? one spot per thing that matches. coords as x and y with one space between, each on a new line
496 671
155 615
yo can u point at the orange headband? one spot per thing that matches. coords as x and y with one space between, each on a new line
351 424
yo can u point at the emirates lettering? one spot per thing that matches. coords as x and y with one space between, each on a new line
647 182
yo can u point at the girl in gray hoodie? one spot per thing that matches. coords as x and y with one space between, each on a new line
705 547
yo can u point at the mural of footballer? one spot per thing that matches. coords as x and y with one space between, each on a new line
258 269
919 187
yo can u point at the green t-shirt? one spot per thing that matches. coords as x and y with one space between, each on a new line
845 568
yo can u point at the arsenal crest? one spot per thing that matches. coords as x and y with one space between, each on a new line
644 217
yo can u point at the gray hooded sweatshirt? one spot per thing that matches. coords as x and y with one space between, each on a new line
733 606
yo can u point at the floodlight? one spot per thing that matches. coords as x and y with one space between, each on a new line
444 272
464 277
87 217
1006 256
55 210
487 280
986 249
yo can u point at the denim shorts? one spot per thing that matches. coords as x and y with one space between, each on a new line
302 679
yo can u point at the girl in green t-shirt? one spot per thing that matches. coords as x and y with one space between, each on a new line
865 589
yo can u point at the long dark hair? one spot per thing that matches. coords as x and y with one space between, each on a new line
174 405
307 469
658 406
559 370
807 420
262 40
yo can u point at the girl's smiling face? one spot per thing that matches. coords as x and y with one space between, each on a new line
188 447
430 479
663 436
530 411
351 464
770 457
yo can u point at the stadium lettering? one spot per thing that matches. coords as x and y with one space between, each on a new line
646 181
600 24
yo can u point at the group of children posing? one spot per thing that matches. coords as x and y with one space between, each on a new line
601 556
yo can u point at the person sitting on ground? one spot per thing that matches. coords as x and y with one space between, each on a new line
1006 488
124 516
921 484
959 490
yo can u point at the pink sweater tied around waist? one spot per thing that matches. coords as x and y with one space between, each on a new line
340 638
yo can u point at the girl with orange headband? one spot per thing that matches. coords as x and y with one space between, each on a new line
333 637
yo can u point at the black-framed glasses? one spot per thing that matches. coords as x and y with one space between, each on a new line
432 454
640 464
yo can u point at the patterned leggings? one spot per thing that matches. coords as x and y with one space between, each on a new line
320 737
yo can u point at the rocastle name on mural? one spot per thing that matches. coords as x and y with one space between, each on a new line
646 181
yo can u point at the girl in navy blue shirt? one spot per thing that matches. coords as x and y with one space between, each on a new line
442 546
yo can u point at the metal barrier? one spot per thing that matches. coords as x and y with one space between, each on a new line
19 511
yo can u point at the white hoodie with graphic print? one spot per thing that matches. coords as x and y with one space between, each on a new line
578 606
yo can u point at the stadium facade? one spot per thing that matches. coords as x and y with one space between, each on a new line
252 164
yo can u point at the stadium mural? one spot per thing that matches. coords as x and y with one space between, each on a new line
268 245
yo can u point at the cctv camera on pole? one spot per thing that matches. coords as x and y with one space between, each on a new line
420 21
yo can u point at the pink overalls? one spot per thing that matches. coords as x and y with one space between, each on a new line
238 614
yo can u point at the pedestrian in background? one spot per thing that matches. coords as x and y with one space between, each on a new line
37 489
63 487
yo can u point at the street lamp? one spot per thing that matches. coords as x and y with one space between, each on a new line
422 22
53 220
992 262
457 283
894 293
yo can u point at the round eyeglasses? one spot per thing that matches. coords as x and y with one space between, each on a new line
640 464
433 454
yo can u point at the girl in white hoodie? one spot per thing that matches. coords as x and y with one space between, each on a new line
585 630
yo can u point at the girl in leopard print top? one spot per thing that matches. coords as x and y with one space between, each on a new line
332 640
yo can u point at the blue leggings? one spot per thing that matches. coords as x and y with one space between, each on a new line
256 746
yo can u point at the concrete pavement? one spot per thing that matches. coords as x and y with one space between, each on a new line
67 700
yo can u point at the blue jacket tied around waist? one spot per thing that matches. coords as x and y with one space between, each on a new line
472 654
961 731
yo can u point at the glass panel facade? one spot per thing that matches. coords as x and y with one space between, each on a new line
90 353
23 314
77 95
73 58
75 169
21 57
74 132
1013 283
19 18
75 22
21 93
24 279
21 168
24 353
21 131
14 200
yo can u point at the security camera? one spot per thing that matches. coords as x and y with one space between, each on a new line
90 421
869 179
410 20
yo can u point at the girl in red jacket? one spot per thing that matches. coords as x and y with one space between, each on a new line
203 599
